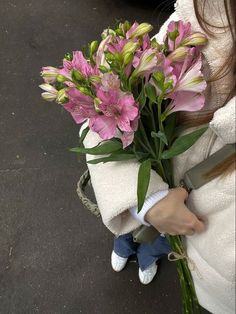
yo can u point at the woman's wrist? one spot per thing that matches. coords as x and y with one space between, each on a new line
172 216
150 201
153 212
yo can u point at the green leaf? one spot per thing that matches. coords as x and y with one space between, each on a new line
112 157
141 155
160 135
168 168
142 99
151 92
143 182
83 135
170 127
106 147
181 144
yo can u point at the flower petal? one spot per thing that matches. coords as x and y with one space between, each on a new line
81 64
124 124
77 97
100 55
127 138
129 107
78 113
131 30
104 126
193 79
186 101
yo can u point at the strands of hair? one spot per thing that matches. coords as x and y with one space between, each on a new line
205 116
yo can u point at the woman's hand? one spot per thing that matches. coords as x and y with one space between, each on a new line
171 215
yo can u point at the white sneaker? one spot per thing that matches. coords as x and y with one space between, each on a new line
148 274
118 262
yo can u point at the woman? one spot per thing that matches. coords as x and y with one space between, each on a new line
206 216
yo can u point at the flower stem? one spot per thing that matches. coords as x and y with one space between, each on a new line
161 128
146 138
154 128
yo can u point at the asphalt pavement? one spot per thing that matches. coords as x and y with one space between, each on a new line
55 255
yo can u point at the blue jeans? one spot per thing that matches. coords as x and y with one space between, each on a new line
147 253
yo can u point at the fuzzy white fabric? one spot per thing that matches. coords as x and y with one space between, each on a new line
220 124
115 188
213 251
148 204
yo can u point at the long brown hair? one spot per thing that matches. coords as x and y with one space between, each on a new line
228 65
230 62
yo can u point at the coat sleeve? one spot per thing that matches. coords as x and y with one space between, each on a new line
115 188
223 122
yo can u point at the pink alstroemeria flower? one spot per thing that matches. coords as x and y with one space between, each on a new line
187 93
49 74
178 29
146 42
100 55
81 64
138 30
110 81
128 137
66 70
179 68
164 66
118 109
80 106
117 46
192 79
50 93
186 101
131 30
146 64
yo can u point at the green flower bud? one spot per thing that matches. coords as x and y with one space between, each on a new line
117 57
103 69
84 90
110 57
173 35
156 45
159 79
129 47
119 32
178 54
68 56
77 75
107 32
168 85
196 39
126 26
61 78
95 79
141 30
93 47
128 58
61 96
59 85
159 76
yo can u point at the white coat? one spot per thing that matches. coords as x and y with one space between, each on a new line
115 183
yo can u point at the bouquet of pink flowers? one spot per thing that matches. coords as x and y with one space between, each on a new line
129 88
